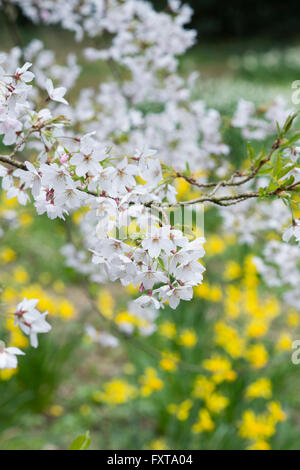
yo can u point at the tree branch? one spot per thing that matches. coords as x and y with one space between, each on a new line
230 182
223 201
12 162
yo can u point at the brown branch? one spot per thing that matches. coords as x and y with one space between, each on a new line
219 201
223 201
230 182
11 161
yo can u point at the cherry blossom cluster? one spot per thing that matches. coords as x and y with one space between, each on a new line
31 322
249 218
71 172
122 109
146 43
259 123
279 267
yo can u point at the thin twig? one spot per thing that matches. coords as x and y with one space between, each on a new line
230 182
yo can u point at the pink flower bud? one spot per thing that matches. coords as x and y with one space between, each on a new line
64 158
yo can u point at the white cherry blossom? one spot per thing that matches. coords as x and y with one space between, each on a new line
8 356
30 320
55 94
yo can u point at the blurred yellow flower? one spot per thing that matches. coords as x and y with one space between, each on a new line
204 422
216 402
20 275
284 342
158 444
257 355
106 303
232 301
17 339
59 287
220 368
188 338
259 445
167 329
258 427
9 203
169 361
56 411
131 289
182 187
66 310
256 328
214 245
78 214
25 219
276 412
182 410
7 255
212 293
215 294
293 318
150 382
9 295
7 374
228 338
116 392
260 388
262 426
232 271
203 387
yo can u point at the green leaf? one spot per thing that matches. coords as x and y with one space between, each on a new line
284 171
274 158
261 192
288 124
278 128
250 152
188 170
259 158
81 442
291 140
277 165
272 186
265 170
288 181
